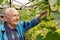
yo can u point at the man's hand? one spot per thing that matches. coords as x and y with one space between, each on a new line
42 14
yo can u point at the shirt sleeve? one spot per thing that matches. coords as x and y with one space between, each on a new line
30 24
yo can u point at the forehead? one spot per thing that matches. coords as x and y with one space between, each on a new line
13 11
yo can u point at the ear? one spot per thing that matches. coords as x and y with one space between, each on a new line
5 18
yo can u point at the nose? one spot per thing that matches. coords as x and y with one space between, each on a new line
17 17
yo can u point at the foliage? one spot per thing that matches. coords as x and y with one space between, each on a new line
1 1
6 1
46 29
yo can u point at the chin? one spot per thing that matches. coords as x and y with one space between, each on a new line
16 23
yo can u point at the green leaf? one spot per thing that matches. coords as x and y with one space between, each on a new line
1 1
7 1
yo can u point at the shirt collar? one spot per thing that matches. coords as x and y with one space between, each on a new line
8 28
2 28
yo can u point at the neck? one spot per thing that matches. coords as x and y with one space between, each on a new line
11 26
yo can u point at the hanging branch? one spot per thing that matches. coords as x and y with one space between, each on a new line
10 3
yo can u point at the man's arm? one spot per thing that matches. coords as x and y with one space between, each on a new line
34 21
42 15
30 24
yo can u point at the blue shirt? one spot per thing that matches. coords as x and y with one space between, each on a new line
22 27
12 34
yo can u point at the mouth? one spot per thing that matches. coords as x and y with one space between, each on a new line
16 20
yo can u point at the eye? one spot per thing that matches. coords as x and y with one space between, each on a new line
15 15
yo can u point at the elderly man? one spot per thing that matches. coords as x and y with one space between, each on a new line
12 28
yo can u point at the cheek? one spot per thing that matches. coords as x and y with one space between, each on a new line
14 19
10 20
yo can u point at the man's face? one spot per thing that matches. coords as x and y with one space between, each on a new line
12 17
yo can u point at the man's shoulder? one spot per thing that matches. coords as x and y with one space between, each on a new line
20 25
21 22
1 27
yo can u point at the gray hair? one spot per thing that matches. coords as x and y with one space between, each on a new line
9 10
